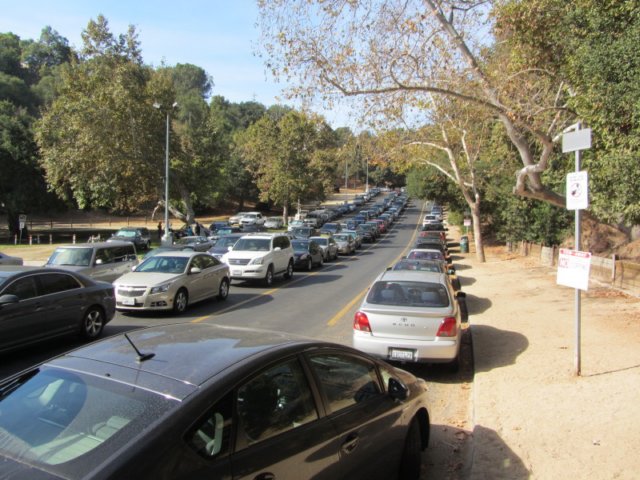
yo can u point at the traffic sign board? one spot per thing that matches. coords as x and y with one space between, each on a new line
577 191
573 268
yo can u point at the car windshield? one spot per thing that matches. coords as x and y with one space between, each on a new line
163 264
321 241
341 238
409 294
126 233
423 265
253 245
226 241
49 417
300 245
428 255
80 257
187 240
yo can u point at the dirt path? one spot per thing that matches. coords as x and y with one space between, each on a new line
533 417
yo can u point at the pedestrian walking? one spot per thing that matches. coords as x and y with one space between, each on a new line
159 230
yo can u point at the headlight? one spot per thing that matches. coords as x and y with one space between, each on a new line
257 261
161 288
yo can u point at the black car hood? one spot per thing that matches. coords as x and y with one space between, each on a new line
13 470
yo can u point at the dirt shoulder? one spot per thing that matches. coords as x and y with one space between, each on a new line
533 417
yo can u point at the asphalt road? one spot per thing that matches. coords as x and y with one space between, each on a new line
322 304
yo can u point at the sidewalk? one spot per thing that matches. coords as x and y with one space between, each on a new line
533 417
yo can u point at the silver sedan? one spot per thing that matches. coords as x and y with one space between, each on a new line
172 281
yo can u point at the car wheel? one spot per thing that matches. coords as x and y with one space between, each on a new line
411 455
464 311
289 273
223 291
180 301
268 277
92 323
309 265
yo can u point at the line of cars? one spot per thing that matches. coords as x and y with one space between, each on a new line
201 400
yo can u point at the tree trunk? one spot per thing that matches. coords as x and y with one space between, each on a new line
477 232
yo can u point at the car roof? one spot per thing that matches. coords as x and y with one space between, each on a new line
179 253
8 271
185 355
96 244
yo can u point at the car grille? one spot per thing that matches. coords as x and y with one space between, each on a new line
132 291
239 261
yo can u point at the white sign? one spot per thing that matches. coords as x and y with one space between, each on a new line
577 191
573 269
578 140
467 222
22 218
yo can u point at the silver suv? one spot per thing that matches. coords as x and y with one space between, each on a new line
260 256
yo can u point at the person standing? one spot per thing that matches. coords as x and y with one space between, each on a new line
159 230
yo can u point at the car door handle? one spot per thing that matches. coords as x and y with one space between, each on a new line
265 476
350 443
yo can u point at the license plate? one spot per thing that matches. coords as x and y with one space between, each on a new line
397 354
236 272
128 301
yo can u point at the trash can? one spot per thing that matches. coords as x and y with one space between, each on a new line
464 244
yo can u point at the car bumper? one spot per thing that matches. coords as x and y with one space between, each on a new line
250 272
145 302
440 350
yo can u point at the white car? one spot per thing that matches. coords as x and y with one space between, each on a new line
172 280
260 256
274 222
9 260
252 218
410 316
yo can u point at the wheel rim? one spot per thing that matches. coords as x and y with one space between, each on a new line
180 302
269 278
93 323
224 289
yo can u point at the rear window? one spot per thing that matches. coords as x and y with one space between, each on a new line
410 294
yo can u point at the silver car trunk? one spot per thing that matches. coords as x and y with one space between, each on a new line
406 322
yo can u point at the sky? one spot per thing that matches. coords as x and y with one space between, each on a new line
219 36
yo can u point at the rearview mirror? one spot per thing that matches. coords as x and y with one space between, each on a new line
397 390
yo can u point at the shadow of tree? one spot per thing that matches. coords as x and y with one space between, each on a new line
499 347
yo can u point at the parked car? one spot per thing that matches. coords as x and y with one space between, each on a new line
435 244
172 281
328 245
410 316
104 261
307 254
331 228
261 256
252 218
367 232
40 303
274 222
427 253
9 260
139 236
304 232
346 245
224 244
215 226
197 243
430 266
295 223
235 219
247 403
357 238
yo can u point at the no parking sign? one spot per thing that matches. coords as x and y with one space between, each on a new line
573 269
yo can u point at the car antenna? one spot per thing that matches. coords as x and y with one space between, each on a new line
141 356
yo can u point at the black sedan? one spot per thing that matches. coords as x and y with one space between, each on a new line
195 401
306 254
40 303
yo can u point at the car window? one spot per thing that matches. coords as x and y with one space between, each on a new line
277 400
23 288
57 282
414 294
71 256
203 262
104 255
345 379
212 435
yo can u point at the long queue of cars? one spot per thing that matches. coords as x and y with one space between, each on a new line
202 401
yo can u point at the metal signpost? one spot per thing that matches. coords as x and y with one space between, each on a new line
577 199
22 219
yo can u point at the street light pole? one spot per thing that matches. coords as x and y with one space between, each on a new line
166 238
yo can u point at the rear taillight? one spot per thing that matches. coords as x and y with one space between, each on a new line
448 327
361 322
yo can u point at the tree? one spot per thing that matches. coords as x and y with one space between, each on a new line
394 54
282 154
101 144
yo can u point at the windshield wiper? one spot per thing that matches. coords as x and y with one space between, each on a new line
14 384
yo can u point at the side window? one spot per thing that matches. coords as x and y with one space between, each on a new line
212 436
205 261
345 379
23 288
277 400
57 282
104 256
285 242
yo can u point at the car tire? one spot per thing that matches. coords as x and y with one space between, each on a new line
93 323
464 311
223 291
309 265
180 301
268 277
289 272
411 455
456 283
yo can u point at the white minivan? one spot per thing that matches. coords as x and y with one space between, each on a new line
104 261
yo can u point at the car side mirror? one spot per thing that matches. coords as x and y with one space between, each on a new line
277 249
451 271
397 389
195 270
8 299
99 261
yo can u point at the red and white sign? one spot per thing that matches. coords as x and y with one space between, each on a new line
573 269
